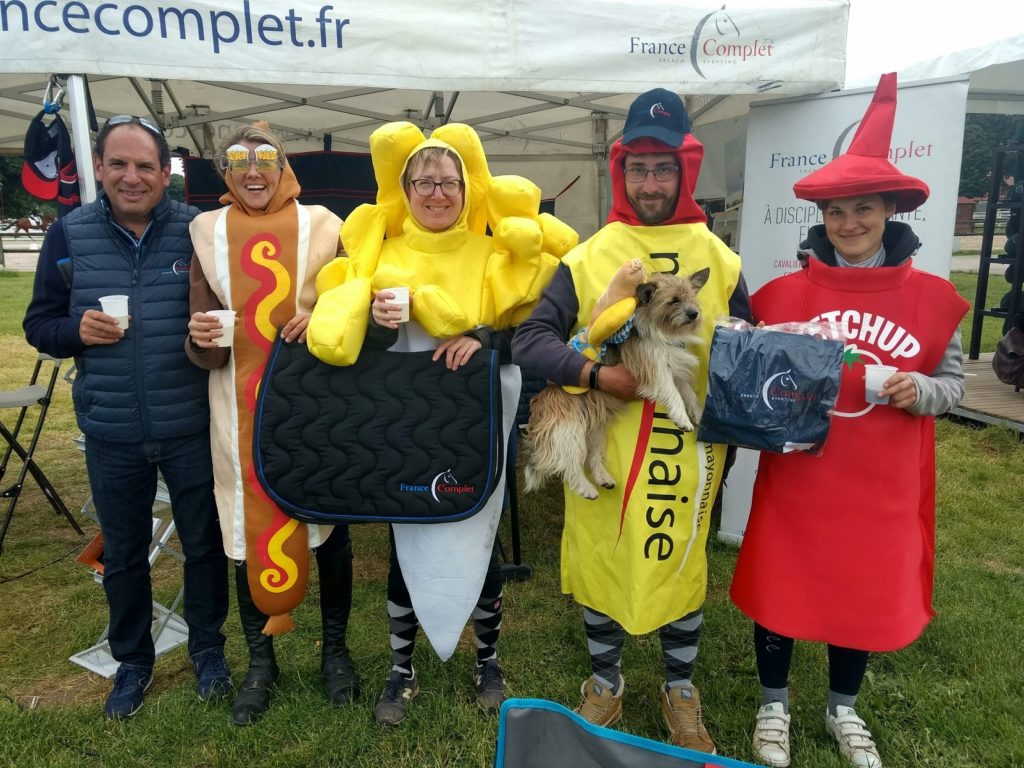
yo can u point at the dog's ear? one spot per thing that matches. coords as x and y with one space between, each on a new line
699 279
645 292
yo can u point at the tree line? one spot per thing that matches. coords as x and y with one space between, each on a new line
16 202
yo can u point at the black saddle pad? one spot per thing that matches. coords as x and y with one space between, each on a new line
396 437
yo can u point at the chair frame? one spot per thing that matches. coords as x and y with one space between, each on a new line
32 396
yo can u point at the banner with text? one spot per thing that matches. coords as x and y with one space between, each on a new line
789 139
699 46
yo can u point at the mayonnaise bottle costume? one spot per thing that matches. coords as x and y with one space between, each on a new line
847 539
637 553
459 279
262 264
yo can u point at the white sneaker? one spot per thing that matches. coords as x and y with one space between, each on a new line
855 742
771 735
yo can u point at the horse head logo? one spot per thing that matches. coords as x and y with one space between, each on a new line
724 27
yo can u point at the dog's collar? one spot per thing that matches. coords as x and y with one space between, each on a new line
579 341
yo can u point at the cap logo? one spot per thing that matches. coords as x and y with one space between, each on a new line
659 111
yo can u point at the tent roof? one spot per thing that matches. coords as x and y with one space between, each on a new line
531 76
193 112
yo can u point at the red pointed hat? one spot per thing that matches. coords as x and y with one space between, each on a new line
865 168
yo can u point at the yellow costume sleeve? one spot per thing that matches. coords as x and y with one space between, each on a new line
337 326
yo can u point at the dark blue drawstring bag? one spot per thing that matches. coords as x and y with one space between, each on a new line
771 389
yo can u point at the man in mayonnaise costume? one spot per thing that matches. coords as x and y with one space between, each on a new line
635 557
467 291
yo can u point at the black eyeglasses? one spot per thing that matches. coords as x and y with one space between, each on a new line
134 119
637 174
426 187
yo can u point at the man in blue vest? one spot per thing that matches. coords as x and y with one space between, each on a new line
139 401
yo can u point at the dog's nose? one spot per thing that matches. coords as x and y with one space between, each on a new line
691 313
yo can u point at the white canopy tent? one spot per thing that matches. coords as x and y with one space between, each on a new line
546 85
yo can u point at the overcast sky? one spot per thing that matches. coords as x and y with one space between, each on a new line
887 35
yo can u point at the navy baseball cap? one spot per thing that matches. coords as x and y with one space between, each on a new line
657 114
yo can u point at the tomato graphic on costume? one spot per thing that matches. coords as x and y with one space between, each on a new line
851 402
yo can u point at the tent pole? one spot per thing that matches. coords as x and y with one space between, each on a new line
600 143
81 139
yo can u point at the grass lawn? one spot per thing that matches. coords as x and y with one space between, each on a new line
951 699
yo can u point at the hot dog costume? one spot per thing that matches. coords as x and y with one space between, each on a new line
263 265
637 553
459 279
847 538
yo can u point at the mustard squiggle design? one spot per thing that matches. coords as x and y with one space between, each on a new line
271 578
260 252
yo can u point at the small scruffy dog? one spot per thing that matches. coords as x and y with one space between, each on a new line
566 432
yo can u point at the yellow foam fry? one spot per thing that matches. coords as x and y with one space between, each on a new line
511 195
390 147
362 235
512 271
332 274
438 312
337 326
559 237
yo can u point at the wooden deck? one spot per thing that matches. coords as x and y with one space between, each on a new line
987 399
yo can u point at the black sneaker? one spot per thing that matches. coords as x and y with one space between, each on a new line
130 683
398 692
489 683
213 679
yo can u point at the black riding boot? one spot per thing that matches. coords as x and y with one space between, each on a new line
253 697
334 562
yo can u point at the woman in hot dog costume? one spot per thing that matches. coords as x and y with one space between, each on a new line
468 290
259 256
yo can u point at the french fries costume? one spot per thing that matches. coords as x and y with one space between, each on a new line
458 279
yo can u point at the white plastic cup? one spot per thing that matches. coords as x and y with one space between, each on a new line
227 321
117 307
400 296
875 377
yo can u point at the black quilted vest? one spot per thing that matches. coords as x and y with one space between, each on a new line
143 387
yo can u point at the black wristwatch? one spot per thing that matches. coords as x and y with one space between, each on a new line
593 374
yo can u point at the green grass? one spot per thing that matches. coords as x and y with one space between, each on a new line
951 699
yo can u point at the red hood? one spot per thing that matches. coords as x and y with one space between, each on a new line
689 154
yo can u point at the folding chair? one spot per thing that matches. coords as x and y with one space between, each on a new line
169 629
35 394
515 569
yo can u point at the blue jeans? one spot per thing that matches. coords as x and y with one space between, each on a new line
123 477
